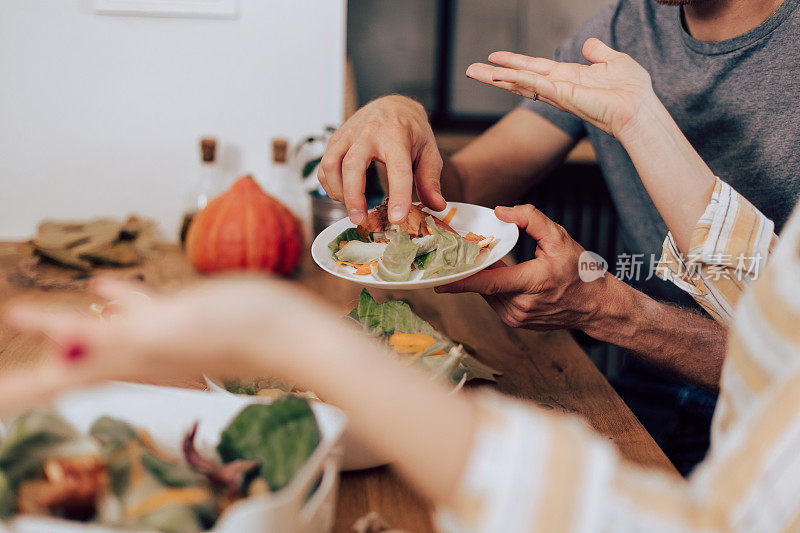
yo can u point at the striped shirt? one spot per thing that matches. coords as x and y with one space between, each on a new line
530 470
729 247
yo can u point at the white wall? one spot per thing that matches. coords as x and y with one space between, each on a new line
101 115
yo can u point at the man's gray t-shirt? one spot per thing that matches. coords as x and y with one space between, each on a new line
736 101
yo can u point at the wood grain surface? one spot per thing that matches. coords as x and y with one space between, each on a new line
547 369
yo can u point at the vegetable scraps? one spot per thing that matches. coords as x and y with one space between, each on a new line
420 343
281 438
413 339
421 241
115 475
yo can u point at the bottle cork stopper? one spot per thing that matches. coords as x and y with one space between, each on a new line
280 150
208 149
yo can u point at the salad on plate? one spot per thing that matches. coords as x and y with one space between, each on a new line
422 241
117 476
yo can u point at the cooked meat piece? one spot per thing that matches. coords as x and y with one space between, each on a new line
70 489
377 220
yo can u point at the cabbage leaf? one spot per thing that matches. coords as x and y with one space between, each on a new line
395 263
350 234
453 253
361 253
282 435
425 244
393 316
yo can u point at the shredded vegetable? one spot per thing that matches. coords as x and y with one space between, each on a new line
361 269
449 216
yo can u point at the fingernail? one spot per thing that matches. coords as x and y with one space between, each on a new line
396 213
356 216
74 352
441 289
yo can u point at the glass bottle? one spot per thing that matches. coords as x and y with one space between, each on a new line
207 183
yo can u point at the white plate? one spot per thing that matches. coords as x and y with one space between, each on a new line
468 217
167 413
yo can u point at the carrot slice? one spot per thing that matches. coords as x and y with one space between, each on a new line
361 270
449 216
485 242
473 237
366 269
405 343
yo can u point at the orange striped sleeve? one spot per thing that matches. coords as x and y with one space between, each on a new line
531 471
728 250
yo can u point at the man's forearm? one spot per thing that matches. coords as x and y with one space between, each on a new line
504 162
451 180
675 340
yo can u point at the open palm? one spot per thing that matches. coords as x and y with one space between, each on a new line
611 93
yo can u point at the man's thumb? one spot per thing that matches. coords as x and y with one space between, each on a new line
529 219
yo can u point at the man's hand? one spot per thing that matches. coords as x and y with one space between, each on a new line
548 293
545 292
393 130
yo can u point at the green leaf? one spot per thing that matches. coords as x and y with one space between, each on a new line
112 434
350 234
395 315
424 260
31 440
282 435
309 167
7 497
171 474
391 316
251 386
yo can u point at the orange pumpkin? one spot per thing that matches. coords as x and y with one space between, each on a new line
244 229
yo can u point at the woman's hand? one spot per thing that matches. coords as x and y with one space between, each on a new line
238 326
256 327
614 93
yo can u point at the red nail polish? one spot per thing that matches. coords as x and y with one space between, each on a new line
75 352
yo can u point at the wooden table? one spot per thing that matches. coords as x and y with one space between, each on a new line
548 369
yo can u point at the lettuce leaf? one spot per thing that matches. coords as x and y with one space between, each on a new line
350 234
395 263
453 253
425 244
282 435
361 253
397 316
31 440
422 261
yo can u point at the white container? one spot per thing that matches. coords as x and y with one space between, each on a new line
167 414
355 457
